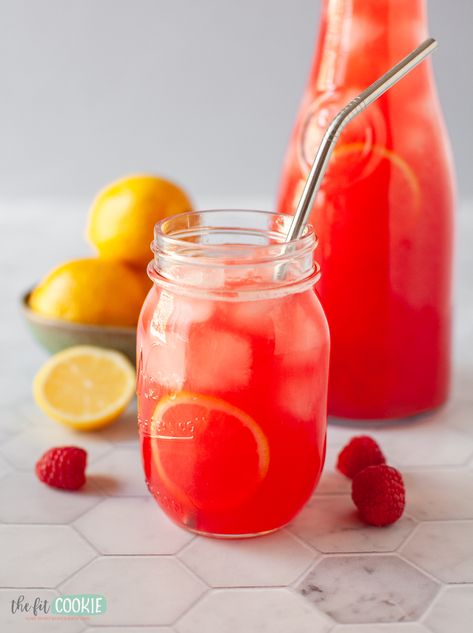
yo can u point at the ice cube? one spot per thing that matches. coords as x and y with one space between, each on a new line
201 276
176 313
217 359
298 396
192 310
251 317
165 363
161 316
296 330
214 277
364 31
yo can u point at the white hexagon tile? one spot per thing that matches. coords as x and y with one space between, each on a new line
452 543
4 467
249 562
134 525
332 481
331 524
460 416
452 612
139 590
368 589
440 494
123 432
40 555
24 499
380 628
120 473
12 422
253 611
410 450
25 448
131 629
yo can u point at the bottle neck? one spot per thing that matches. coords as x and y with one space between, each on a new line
360 39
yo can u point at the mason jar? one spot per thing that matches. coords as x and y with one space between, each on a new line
232 370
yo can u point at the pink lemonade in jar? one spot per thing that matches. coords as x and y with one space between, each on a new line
232 374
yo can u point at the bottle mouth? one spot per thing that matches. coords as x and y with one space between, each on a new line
222 250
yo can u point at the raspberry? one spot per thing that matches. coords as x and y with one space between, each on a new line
63 467
358 454
378 493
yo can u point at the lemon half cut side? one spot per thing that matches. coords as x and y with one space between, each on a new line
85 387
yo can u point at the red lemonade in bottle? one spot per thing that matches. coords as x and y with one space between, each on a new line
232 379
384 215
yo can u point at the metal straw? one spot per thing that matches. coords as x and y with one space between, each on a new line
330 138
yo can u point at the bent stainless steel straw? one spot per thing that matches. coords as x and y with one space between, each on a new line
330 138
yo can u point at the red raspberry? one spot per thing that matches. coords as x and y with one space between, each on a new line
378 493
358 454
63 467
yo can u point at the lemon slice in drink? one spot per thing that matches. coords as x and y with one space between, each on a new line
85 387
207 451
382 153
352 162
404 185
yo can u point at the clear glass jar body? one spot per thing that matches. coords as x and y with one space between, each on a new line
384 215
232 373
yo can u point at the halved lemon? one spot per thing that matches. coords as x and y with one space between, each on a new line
207 451
85 387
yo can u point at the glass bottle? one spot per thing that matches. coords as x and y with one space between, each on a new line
384 216
232 372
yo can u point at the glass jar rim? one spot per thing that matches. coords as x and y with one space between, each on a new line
231 252
172 240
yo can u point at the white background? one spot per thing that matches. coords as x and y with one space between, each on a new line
204 91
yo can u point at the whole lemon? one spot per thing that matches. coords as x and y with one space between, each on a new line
123 215
94 291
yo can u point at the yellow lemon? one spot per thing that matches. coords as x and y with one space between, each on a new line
85 387
92 291
123 215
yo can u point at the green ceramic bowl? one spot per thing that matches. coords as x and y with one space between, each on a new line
57 334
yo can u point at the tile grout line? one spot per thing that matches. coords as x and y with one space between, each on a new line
76 571
211 590
13 466
190 571
415 529
101 499
461 431
301 541
208 590
184 547
330 621
430 607
314 564
83 537
437 581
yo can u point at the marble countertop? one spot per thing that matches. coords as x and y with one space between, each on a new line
327 572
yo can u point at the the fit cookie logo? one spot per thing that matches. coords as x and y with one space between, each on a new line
79 605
